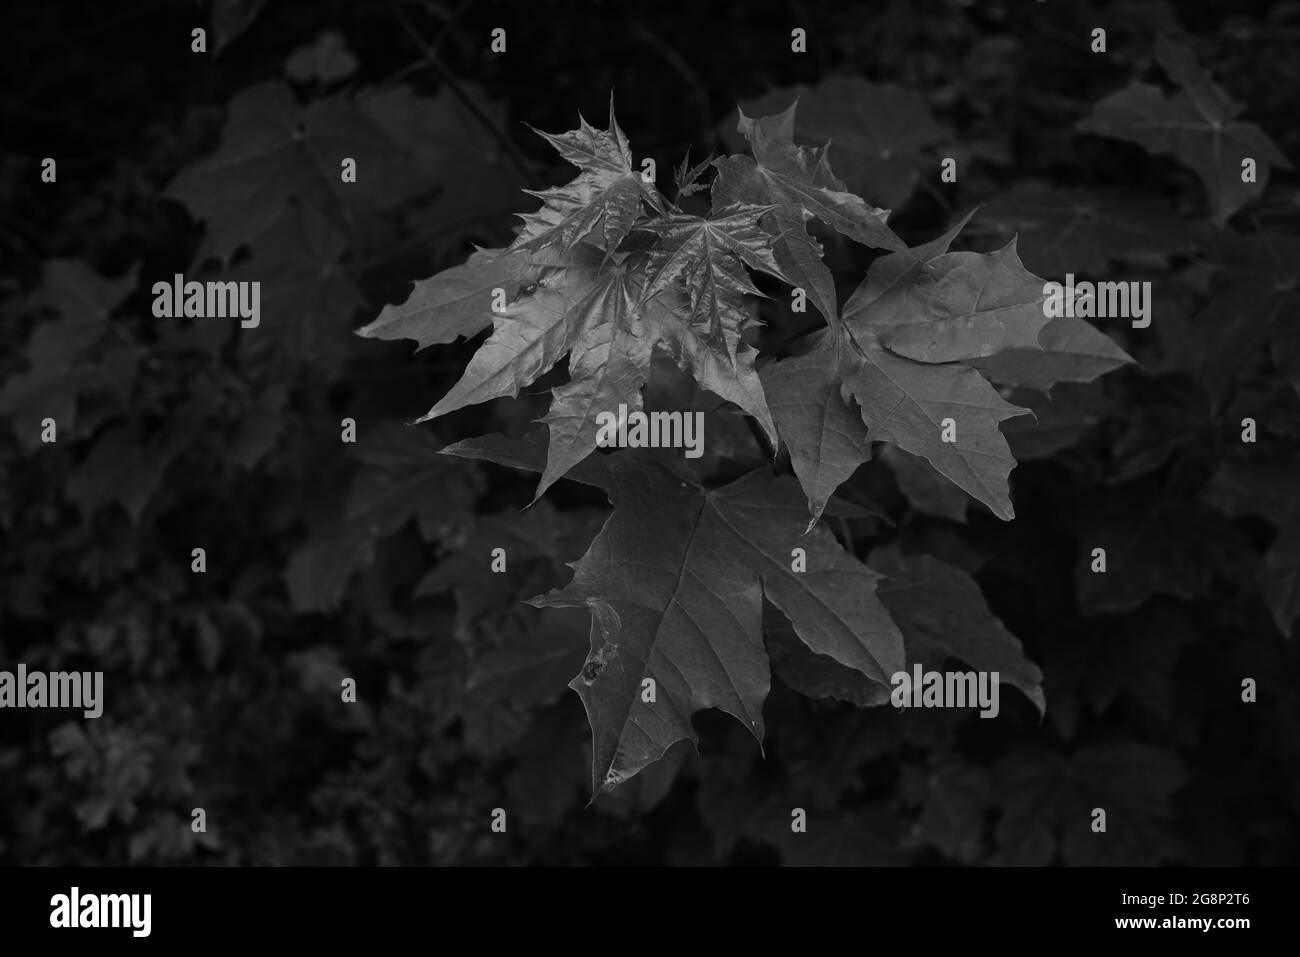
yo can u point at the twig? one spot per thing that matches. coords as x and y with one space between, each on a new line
434 47
448 25
682 69
431 60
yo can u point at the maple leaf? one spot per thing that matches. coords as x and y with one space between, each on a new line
706 257
456 302
1045 804
953 799
1068 350
727 371
942 612
1269 490
276 155
307 301
798 182
127 467
907 402
1198 126
730 436
601 204
608 365
675 584
451 145
782 173
1081 231
128 462
937 306
403 477
911 317
899 401
538 541
533 665
879 137
1180 547
814 675
593 307
531 333
826 438
1254 300
602 319
686 176
82 301
687 294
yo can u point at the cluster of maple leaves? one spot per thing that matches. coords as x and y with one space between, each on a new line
608 269
828 439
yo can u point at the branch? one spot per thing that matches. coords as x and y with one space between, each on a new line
432 60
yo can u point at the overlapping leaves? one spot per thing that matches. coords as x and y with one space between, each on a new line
675 584
603 202
608 271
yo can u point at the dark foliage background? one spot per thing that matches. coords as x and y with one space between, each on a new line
328 560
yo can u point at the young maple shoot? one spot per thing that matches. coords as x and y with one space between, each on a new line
606 272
